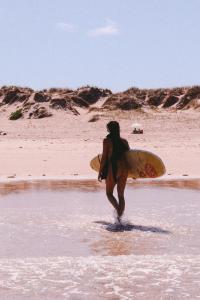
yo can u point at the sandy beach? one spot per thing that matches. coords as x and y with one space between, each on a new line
63 145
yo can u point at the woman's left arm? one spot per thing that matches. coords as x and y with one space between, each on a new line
103 158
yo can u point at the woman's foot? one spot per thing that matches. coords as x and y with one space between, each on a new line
119 219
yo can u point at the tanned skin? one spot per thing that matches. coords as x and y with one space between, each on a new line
121 176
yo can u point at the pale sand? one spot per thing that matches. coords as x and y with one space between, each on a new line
63 145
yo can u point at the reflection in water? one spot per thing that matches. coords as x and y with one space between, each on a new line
90 185
173 183
54 185
123 242
113 245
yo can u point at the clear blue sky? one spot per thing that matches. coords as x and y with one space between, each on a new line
109 43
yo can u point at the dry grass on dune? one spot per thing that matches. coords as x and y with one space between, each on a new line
41 104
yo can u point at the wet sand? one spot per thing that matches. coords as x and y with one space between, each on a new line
59 241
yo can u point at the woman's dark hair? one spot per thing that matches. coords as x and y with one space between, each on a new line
119 146
113 128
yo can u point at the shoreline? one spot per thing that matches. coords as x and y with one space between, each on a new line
86 182
94 178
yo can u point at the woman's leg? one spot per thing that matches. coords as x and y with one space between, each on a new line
121 184
110 184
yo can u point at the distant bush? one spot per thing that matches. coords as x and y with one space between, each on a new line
94 118
16 114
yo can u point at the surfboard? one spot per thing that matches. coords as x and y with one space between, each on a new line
141 164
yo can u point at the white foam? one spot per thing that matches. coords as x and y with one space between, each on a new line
152 277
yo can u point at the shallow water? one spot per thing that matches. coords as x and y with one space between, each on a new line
60 242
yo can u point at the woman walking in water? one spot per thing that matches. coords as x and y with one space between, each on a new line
113 166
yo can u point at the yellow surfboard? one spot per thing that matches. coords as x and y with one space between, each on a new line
141 164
